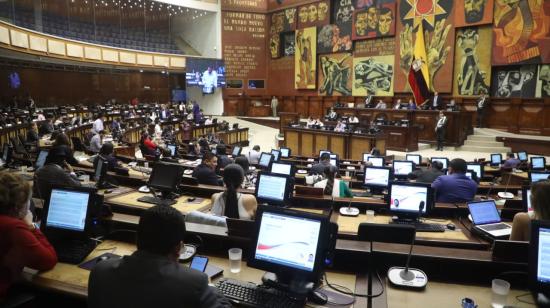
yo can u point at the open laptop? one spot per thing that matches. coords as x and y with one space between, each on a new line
487 220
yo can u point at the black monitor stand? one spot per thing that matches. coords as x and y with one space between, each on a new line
297 287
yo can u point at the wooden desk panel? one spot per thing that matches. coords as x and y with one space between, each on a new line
130 200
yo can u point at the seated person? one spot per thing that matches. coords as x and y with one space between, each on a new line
381 105
353 119
324 161
411 105
230 203
310 122
147 144
107 153
205 173
340 126
511 161
96 142
158 129
193 148
21 244
55 172
223 159
397 104
332 186
207 120
452 106
540 201
32 134
62 145
318 123
427 175
332 115
249 175
455 187
254 155
166 156
152 276
46 127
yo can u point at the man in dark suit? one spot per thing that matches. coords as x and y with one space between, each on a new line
324 161
205 173
440 130
152 276
427 175
482 103
436 102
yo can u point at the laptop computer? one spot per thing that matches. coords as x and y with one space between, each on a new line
487 220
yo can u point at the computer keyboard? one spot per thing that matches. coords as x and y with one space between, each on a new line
248 294
362 194
156 201
420 226
496 227
73 251
142 169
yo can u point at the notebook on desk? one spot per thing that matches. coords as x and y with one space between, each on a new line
487 220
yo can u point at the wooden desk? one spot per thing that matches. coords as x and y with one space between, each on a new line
129 201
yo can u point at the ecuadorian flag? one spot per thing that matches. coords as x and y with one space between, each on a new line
419 77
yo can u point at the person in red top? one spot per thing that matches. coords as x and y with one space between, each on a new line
147 144
21 244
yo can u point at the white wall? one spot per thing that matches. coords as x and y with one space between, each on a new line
211 104
202 33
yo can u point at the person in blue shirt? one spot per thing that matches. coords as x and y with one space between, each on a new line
511 161
455 187
412 105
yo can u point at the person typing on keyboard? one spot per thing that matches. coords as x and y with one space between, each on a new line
21 244
152 276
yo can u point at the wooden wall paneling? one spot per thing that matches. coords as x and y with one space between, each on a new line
338 145
546 118
357 146
321 143
530 117
301 106
499 114
306 144
426 126
287 104
315 107
380 144
230 106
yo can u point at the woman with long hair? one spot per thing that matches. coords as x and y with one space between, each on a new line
540 202
231 203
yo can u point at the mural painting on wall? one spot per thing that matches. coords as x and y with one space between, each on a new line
373 76
472 74
335 74
288 40
283 21
438 37
376 20
313 14
330 39
514 81
543 84
473 12
521 32
275 45
342 15
305 58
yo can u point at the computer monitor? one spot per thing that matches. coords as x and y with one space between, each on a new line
526 199
377 161
100 170
334 162
405 198
284 168
496 159
415 158
6 153
443 160
291 244
535 176
366 156
68 211
265 160
276 154
522 156
173 149
538 163
285 152
477 168
41 159
273 189
539 254
323 151
377 177
165 177
402 168
236 151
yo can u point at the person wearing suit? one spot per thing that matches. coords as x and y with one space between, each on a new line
411 105
368 102
436 102
440 130
205 172
152 276
482 103
164 113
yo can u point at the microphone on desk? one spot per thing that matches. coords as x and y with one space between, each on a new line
504 194
406 277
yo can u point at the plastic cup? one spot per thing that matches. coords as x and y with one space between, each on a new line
24 169
235 256
370 215
500 288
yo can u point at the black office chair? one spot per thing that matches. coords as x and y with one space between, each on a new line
78 145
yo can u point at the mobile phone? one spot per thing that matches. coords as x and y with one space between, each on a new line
199 263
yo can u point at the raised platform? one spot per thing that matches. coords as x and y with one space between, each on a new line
272 122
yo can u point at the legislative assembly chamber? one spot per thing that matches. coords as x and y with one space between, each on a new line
274 153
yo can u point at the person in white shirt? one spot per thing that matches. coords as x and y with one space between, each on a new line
97 141
158 129
207 121
254 155
368 101
340 126
332 115
353 119
440 130
397 105
310 122
381 105
98 124
41 117
319 123
209 80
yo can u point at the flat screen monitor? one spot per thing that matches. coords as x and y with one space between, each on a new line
538 163
377 176
41 160
334 162
281 168
522 156
496 159
477 168
442 160
415 158
366 156
276 154
526 199
538 176
6 153
207 74
272 188
323 151
68 209
265 160
236 151
402 168
406 198
484 212
285 152
539 254
165 177
289 242
100 170
173 149
376 161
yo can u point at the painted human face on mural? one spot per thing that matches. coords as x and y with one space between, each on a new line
312 13
322 11
372 18
303 14
361 24
473 10
385 21
544 77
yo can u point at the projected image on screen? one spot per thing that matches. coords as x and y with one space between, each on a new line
377 177
406 198
288 241
208 74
